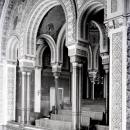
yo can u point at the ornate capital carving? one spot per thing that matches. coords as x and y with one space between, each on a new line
56 68
92 75
76 59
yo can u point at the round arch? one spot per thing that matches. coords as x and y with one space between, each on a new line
39 55
60 43
103 46
12 47
51 44
89 7
89 57
37 14
92 7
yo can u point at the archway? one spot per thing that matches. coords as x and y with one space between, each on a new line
92 30
10 84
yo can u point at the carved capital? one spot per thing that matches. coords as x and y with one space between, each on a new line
24 63
76 59
92 75
105 58
56 68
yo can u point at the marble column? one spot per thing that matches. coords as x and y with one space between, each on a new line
37 102
28 96
56 77
76 95
23 97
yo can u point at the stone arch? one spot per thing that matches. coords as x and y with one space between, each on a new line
37 14
95 57
60 43
102 43
39 55
12 47
51 44
89 7
89 57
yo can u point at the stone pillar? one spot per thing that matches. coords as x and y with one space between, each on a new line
28 96
106 77
105 62
37 100
23 97
76 95
107 96
56 69
118 74
104 87
116 22
9 92
92 75
87 96
56 78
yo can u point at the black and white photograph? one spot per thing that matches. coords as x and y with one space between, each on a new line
64 64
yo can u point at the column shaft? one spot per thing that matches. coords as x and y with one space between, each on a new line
107 98
56 94
37 102
23 104
76 96
104 87
93 97
87 88
28 96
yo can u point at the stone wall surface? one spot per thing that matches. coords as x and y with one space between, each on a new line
1 93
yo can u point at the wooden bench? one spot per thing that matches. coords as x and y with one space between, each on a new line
85 121
54 124
91 114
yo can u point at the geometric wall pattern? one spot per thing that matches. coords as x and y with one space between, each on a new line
116 90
